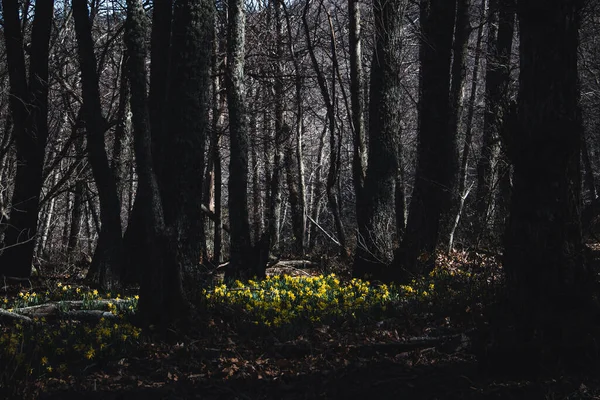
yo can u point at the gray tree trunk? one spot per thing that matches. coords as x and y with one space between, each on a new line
377 206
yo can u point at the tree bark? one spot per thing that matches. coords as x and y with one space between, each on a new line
29 107
240 249
588 176
376 205
160 42
462 190
121 130
436 161
188 128
462 32
334 142
161 294
297 209
497 80
281 134
217 128
550 284
359 160
107 260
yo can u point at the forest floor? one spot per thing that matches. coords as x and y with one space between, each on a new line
408 354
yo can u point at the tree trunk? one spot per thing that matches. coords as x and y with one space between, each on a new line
377 206
298 154
359 160
217 128
281 134
29 107
462 32
108 257
334 142
160 40
588 176
121 131
462 190
240 249
161 294
297 209
188 128
550 285
436 149
497 81
317 192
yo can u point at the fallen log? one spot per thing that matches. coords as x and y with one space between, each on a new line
4 315
295 264
70 309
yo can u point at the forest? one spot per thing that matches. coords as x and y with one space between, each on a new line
298 199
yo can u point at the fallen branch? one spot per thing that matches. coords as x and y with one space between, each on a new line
334 240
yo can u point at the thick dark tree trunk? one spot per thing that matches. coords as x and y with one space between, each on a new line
188 127
436 150
549 283
242 264
377 206
29 107
162 16
500 39
160 42
108 257
161 294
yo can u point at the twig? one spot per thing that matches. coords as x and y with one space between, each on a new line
334 240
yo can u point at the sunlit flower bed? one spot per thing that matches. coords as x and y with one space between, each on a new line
50 347
280 300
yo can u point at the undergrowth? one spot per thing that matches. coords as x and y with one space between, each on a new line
56 348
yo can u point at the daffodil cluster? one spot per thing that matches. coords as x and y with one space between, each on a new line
47 347
280 300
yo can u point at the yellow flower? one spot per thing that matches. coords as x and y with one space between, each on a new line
90 353
44 360
49 368
95 292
